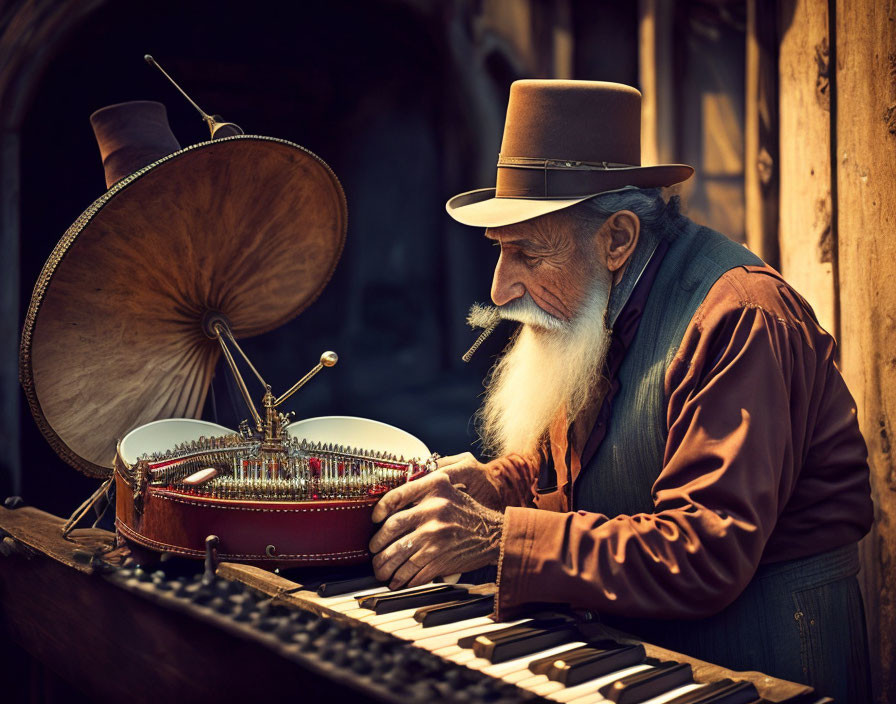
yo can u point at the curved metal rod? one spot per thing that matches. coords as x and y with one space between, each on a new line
241 384
239 349
327 359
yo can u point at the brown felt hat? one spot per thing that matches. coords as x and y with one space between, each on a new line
132 135
564 142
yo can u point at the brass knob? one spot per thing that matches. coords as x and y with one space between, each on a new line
328 359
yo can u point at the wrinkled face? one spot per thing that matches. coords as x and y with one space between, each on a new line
554 275
549 260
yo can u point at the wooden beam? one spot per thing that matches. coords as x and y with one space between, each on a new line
865 113
761 169
655 75
42 532
806 229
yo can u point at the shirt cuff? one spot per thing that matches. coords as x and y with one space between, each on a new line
517 582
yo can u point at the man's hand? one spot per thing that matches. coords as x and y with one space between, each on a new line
446 531
470 475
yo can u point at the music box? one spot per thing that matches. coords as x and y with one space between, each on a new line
188 251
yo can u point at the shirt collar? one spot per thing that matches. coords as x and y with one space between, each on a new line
647 245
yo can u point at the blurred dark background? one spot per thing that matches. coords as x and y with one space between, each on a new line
405 100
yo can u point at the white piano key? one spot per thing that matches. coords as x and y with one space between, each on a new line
334 602
439 644
420 634
401 624
463 657
530 681
354 611
520 676
475 663
594 698
370 617
671 694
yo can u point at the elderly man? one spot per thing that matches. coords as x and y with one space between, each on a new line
675 449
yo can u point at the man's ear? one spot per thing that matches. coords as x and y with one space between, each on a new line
621 231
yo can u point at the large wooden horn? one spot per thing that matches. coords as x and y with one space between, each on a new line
248 227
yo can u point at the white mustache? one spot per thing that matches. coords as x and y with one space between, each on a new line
522 310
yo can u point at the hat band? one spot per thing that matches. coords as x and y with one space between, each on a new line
527 162
519 181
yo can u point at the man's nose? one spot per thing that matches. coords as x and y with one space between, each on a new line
506 286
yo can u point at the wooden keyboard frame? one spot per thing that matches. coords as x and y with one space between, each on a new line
85 628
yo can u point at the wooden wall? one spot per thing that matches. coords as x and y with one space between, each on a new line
837 238
864 107
819 186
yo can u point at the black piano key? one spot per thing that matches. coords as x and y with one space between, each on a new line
389 602
543 665
586 666
347 586
722 692
453 611
497 648
467 641
368 600
648 684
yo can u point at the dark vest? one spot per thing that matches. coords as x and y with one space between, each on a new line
620 476
764 627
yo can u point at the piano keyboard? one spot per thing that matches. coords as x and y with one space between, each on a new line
546 655
357 639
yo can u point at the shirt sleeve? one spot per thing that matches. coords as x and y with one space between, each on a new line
514 476
738 392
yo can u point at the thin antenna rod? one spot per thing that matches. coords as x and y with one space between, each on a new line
152 62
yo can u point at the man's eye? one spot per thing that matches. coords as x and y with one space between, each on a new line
531 262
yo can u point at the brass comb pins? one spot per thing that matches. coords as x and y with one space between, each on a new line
237 468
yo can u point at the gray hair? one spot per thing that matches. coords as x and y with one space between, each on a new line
654 209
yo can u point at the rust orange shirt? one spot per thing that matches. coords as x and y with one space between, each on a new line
764 462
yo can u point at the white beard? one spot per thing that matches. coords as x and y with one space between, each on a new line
550 366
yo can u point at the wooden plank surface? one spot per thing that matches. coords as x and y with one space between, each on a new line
115 645
42 532
656 76
761 131
866 230
806 235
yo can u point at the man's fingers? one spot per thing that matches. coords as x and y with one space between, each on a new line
386 562
454 459
396 525
407 494
427 574
404 574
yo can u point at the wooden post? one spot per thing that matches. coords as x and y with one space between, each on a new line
865 111
655 74
761 162
806 227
